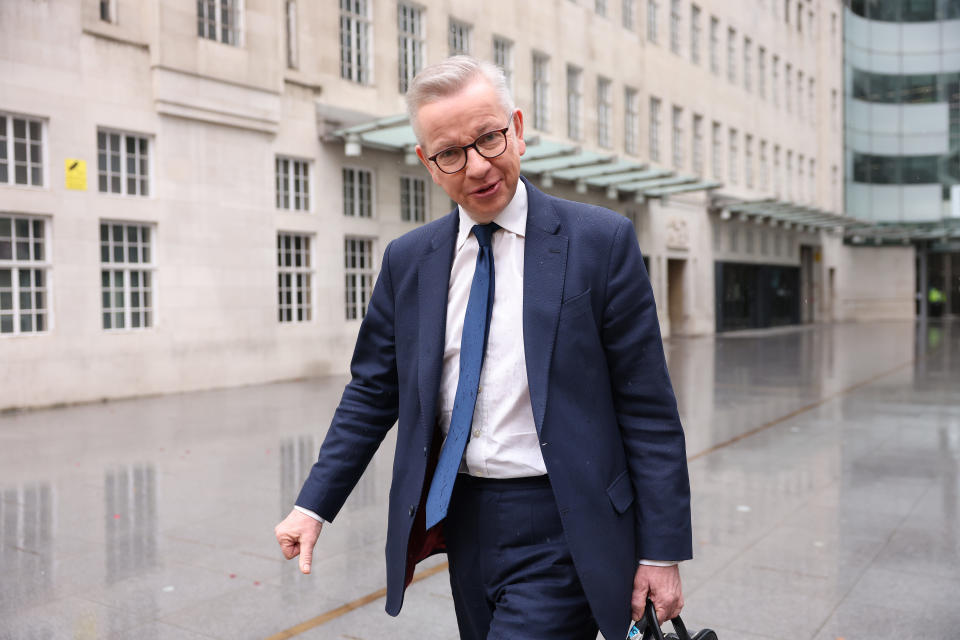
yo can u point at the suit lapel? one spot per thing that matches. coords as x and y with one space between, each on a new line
433 279
544 267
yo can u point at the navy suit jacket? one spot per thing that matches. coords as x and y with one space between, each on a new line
602 400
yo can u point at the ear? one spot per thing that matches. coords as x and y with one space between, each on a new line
429 165
518 131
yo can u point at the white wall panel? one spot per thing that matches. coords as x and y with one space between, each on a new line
884 37
920 63
924 145
919 119
922 202
920 37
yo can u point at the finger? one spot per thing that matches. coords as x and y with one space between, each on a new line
306 553
639 602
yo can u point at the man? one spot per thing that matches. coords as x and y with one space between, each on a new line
538 440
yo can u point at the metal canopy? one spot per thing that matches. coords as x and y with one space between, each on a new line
855 231
549 159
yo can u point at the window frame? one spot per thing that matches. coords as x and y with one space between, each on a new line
503 57
631 122
408 182
107 132
300 303
411 43
111 267
234 36
356 209
458 30
653 128
541 91
8 145
306 176
574 102
356 62
604 112
355 307
16 265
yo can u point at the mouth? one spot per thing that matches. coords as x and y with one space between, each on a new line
486 190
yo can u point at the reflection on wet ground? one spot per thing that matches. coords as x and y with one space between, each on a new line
824 469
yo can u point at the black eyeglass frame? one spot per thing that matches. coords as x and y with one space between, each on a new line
473 145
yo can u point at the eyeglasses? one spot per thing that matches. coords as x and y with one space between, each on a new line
489 145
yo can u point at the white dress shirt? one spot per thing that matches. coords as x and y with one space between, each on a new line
503 439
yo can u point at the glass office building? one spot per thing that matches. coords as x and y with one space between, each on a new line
902 125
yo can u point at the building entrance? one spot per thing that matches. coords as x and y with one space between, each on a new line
753 296
675 296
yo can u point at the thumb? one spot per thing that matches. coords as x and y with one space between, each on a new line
307 542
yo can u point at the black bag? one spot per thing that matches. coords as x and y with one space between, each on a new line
649 628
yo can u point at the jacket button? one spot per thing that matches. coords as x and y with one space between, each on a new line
413 510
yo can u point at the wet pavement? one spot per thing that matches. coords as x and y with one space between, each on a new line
825 470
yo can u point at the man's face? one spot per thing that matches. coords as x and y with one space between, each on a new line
485 185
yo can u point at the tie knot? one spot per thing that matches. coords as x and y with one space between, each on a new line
484 232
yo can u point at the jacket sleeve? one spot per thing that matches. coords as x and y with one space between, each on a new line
367 409
645 404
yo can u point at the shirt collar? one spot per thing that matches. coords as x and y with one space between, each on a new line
513 218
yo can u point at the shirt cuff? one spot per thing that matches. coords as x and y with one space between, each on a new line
653 563
307 512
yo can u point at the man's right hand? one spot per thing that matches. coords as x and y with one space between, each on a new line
297 535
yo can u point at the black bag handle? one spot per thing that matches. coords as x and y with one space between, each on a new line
652 625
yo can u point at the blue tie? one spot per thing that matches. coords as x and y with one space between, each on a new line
476 324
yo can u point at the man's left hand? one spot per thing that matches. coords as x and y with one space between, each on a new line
662 586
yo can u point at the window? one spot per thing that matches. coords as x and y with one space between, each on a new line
652 9
812 175
601 7
775 82
21 139
776 170
293 184
291 26
655 129
732 147
833 109
697 152
108 10
732 55
800 182
123 163
835 187
715 46
786 11
747 64
413 199
627 14
604 112
716 145
677 137
357 193
675 26
833 31
541 92
355 41
748 161
788 88
503 58
800 95
294 278
764 168
812 97
631 119
410 43
574 102
458 38
220 20
762 72
24 268
358 270
126 275
695 34
799 18
789 176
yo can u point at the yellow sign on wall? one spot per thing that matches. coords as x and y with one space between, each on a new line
76 172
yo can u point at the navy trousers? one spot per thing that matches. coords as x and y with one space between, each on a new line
510 567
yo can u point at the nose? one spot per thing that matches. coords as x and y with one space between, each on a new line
477 165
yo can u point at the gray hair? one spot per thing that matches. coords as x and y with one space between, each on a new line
449 77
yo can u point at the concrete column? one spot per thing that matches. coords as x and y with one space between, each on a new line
923 292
